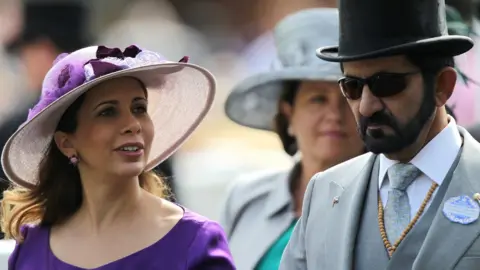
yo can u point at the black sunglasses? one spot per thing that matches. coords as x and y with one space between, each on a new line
381 84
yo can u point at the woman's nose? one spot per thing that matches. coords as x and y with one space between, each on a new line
336 110
132 125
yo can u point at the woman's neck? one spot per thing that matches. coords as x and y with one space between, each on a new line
310 168
109 201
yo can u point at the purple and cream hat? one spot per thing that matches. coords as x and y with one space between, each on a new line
179 97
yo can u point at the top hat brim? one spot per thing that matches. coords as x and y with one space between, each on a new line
448 46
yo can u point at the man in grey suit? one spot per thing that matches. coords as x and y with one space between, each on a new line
413 201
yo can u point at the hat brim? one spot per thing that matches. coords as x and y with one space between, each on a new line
451 45
179 95
254 102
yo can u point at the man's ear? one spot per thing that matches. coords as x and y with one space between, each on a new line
64 144
444 86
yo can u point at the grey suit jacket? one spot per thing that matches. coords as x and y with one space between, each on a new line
325 235
258 210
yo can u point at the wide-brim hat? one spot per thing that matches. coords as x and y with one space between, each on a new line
377 28
254 101
179 96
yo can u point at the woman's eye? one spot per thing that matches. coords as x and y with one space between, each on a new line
140 109
107 112
319 99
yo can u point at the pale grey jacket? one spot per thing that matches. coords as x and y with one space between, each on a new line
324 238
258 210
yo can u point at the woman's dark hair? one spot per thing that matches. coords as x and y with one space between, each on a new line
58 194
280 121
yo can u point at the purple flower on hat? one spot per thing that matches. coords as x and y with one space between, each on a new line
59 57
78 71
70 77
111 60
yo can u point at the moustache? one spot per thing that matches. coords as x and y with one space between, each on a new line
378 118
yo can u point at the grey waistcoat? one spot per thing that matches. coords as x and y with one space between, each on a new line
370 252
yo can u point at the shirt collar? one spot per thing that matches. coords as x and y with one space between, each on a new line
446 145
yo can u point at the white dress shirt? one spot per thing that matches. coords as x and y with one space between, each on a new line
434 160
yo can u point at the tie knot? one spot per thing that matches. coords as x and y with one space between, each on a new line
401 175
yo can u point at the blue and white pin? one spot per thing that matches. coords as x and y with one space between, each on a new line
462 209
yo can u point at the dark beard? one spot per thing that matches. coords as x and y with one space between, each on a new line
376 141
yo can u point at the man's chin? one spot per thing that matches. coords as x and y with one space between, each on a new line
384 145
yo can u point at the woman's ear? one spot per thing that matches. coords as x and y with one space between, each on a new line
286 109
64 144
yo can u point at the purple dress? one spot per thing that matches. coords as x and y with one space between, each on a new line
193 243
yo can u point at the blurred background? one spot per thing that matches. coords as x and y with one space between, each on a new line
231 38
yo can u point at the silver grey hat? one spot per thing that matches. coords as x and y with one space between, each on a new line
254 101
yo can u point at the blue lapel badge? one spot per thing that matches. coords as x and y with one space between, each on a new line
461 209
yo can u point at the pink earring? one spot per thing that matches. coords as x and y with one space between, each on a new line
73 160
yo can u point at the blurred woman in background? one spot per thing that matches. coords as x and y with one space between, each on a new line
300 100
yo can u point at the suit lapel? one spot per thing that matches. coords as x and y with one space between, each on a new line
446 241
268 230
344 216
266 226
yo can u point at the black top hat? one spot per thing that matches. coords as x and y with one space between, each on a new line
62 22
378 28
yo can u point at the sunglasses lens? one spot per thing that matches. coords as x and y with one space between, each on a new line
351 88
387 85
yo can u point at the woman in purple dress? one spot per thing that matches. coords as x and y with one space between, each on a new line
84 195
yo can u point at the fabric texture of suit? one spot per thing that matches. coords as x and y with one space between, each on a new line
326 234
257 212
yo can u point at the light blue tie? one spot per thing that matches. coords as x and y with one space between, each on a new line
397 211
